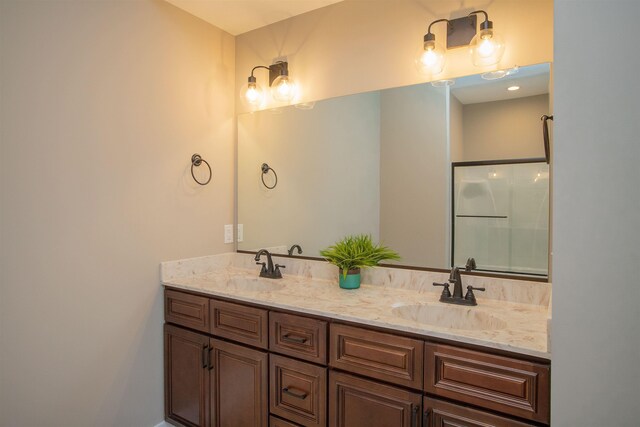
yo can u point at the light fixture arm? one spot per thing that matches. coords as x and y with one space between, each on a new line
258 66
436 21
277 69
486 25
430 36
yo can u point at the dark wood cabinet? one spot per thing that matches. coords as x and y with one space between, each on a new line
387 357
504 384
191 311
187 383
279 422
214 383
438 413
299 337
298 391
236 365
239 378
356 402
248 325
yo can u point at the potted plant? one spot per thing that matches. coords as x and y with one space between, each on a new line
354 252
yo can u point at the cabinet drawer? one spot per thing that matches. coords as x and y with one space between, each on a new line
500 383
187 310
247 325
298 337
357 402
378 355
277 422
298 391
443 414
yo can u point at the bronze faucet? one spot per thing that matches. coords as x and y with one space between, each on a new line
456 279
268 270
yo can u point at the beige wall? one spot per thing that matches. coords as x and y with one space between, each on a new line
595 338
358 46
501 130
414 174
102 106
328 165
456 129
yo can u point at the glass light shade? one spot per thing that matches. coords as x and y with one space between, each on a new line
252 94
486 48
283 89
430 59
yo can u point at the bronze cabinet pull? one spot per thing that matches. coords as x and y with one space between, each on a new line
204 356
299 395
425 417
295 339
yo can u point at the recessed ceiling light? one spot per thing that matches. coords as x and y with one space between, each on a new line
512 88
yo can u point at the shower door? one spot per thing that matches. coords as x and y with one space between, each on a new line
501 215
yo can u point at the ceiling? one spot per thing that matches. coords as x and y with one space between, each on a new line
239 16
532 80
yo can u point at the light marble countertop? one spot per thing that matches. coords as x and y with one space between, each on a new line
499 323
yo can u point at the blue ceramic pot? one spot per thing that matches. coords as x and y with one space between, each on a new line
351 281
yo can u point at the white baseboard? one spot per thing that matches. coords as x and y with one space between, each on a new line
163 424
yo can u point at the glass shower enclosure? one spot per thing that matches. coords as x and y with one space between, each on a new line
501 215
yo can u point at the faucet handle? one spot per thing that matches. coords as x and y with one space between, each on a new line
446 293
264 267
276 271
470 295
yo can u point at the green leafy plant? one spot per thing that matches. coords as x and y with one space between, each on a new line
356 252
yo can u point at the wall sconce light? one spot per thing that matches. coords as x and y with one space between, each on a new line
282 87
430 59
486 47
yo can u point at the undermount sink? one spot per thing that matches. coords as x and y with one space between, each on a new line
450 316
253 284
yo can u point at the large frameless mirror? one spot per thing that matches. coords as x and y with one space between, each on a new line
381 163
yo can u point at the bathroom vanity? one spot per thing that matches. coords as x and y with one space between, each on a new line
245 351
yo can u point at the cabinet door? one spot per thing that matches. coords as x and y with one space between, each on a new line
238 386
186 376
438 413
355 402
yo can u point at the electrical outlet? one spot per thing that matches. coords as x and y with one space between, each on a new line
240 236
228 233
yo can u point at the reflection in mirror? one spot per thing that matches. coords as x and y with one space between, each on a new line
380 163
501 215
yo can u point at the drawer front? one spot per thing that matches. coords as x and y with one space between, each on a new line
500 383
277 422
298 391
378 355
358 402
236 322
187 310
438 413
298 337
